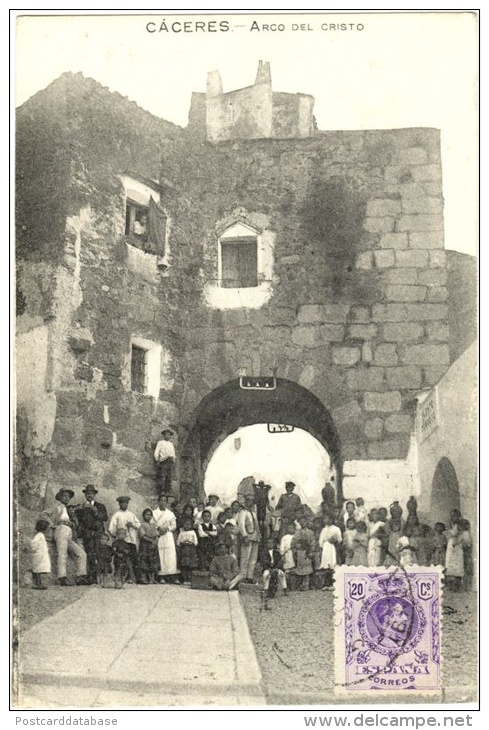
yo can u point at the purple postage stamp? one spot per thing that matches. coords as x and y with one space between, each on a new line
388 629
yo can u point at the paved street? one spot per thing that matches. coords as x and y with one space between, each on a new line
145 646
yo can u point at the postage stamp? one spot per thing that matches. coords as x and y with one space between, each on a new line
388 624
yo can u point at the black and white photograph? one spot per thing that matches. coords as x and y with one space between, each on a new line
245 437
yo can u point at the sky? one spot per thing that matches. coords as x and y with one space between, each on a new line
389 70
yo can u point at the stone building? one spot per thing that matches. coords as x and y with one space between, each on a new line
164 272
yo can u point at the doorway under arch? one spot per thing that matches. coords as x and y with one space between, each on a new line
445 491
229 407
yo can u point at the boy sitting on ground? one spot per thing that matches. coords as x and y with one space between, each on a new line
224 570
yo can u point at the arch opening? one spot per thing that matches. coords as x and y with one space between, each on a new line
445 491
229 408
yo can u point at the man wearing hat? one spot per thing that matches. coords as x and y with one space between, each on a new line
124 521
290 505
91 516
164 458
63 537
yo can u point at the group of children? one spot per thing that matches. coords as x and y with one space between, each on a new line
299 554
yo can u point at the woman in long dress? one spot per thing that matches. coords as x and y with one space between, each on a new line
166 524
454 560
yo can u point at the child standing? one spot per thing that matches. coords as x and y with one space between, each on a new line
329 538
286 549
207 534
149 562
125 520
187 550
122 558
40 560
374 543
104 559
405 549
360 513
273 574
349 540
439 545
393 529
303 550
360 544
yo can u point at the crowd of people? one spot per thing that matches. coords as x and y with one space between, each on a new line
252 540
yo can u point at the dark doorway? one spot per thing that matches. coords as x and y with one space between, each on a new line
445 492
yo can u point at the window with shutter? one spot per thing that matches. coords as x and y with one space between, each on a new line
239 264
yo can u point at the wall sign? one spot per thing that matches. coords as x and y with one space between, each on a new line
427 416
279 428
259 382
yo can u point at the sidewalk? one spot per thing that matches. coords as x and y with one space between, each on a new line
144 646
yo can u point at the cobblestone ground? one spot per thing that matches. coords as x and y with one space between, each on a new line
294 645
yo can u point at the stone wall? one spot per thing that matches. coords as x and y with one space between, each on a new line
454 438
251 113
76 282
462 304
357 310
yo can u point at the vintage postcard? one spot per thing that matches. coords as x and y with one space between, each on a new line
245 468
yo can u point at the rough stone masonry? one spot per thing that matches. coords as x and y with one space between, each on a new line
350 301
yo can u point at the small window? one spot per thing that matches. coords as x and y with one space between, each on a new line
145 367
137 220
239 263
139 369
146 227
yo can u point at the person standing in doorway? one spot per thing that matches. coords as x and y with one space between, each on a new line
164 456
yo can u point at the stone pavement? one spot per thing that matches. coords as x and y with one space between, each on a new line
144 646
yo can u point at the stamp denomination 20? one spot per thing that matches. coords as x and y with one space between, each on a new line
388 623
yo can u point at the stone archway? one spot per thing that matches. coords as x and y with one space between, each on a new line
230 407
445 491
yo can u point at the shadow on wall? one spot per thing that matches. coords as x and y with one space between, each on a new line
332 221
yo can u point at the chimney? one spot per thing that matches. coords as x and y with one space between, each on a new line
214 84
263 75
